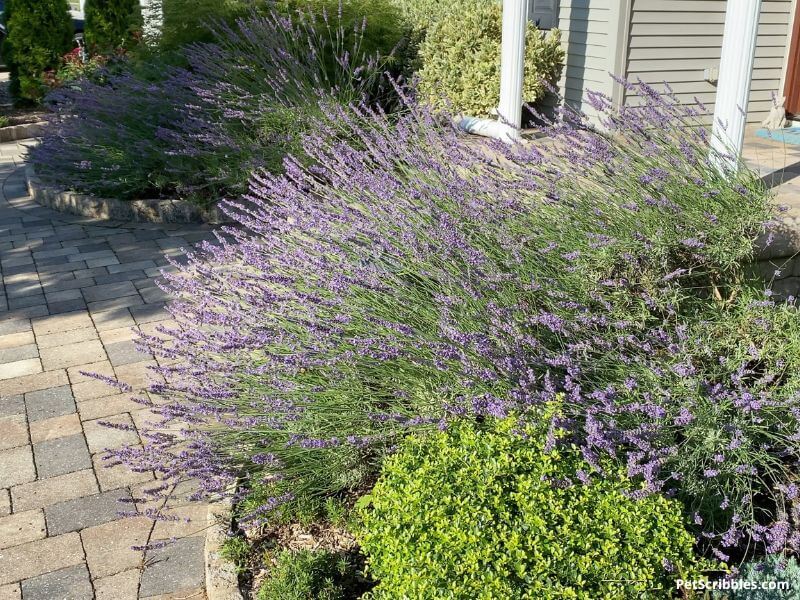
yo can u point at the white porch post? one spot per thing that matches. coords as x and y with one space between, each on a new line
735 74
512 65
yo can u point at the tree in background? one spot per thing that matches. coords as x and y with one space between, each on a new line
40 33
111 24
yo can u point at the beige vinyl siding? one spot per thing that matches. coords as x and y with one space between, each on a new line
588 45
675 40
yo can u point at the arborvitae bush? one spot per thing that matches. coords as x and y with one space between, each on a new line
111 24
39 33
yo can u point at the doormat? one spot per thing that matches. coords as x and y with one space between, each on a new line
790 135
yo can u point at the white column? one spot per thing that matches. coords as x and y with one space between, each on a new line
735 73
512 65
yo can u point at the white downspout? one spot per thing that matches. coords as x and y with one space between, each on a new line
512 72
735 74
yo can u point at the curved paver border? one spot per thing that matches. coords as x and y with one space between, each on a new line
15 133
222 582
138 211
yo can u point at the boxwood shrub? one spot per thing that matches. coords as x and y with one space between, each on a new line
487 512
459 54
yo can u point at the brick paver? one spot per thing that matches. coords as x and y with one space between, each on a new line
71 291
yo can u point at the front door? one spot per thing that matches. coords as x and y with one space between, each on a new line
792 88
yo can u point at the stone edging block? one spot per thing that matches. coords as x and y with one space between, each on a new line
140 211
14 133
222 582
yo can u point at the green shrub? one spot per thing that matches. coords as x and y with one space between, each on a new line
191 21
384 29
312 575
421 14
111 24
39 34
460 58
475 513
767 570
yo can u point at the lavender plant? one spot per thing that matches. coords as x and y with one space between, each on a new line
406 277
199 132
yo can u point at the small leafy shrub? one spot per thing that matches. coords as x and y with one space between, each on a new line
766 571
4 121
111 24
488 513
39 34
460 55
74 68
312 575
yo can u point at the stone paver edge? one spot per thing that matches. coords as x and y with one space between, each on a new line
222 582
148 211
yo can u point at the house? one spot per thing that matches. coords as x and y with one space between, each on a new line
674 41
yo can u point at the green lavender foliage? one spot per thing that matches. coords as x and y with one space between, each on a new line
312 575
484 512
769 571
40 32
111 24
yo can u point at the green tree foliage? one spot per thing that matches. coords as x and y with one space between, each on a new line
111 24
39 34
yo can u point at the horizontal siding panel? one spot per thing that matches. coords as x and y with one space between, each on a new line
710 53
708 98
697 87
770 62
773 6
576 83
756 112
597 51
700 17
698 29
599 4
588 39
697 41
584 14
692 75
578 26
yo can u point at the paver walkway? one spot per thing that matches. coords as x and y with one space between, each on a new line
71 291
779 164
